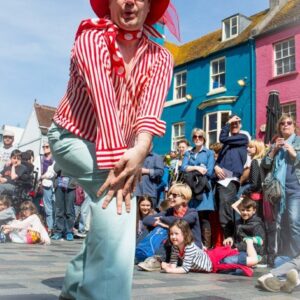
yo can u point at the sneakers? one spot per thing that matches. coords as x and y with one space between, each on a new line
80 234
56 236
272 284
292 280
69 236
150 264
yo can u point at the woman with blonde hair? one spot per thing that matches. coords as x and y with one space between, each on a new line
199 162
256 150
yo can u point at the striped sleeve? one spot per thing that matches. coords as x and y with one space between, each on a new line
154 94
93 59
174 256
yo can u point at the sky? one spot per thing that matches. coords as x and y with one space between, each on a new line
37 35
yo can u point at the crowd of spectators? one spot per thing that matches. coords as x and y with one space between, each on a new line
208 198
37 208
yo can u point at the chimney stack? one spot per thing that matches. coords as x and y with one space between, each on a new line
275 3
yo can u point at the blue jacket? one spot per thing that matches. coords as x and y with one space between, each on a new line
150 182
205 157
233 155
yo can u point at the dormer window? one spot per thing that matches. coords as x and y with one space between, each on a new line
230 28
233 26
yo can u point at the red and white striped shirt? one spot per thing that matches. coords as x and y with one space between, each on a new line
110 110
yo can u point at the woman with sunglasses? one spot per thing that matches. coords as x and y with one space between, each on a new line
283 159
200 160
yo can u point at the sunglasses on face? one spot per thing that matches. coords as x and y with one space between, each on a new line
7 137
174 195
45 147
286 123
236 123
200 137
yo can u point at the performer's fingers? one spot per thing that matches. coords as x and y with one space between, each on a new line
119 202
108 198
103 187
137 179
128 185
122 176
128 202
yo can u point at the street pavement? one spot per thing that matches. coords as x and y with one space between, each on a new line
35 272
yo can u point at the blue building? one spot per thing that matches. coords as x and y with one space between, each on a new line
214 76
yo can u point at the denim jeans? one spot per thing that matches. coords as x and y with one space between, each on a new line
290 226
48 200
83 211
103 269
282 269
64 210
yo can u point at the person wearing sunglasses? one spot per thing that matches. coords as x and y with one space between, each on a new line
7 148
198 166
283 159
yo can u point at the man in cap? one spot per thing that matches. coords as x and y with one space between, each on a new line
230 166
7 148
103 130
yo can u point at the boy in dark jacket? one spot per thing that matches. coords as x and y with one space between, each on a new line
249 235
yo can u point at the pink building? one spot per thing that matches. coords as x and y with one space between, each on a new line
278 63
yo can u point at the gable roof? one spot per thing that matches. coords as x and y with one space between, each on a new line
289 15
44 116
210 43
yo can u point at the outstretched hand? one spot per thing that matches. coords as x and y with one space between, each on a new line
122 180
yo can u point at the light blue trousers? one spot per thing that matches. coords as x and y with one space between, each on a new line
104 267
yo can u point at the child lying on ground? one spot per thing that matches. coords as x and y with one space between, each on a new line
29 229
188 257
249 237
191 257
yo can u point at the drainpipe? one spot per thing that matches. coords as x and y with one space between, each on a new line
252 87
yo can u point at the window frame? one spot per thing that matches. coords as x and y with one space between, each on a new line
230 21
219 124
176 87
211 75
283 58
175 139
288 105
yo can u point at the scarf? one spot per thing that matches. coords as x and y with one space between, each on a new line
111 32
280 171
179 213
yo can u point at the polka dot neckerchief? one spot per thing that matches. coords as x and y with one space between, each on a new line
112 31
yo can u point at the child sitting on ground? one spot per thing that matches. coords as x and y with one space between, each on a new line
144 209
7 213
249 236
28 229
186 256
178 196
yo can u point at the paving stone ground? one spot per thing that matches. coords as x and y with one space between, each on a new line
35 272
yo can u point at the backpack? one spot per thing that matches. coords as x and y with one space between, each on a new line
151 243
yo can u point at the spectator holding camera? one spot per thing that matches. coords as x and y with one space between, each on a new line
283 159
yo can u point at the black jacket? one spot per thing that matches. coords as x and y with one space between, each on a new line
250 228
197 182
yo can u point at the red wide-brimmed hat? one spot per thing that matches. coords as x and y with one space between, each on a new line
157 9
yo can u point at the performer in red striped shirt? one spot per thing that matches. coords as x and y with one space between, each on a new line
102 132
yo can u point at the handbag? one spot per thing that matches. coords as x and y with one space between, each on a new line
271 189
